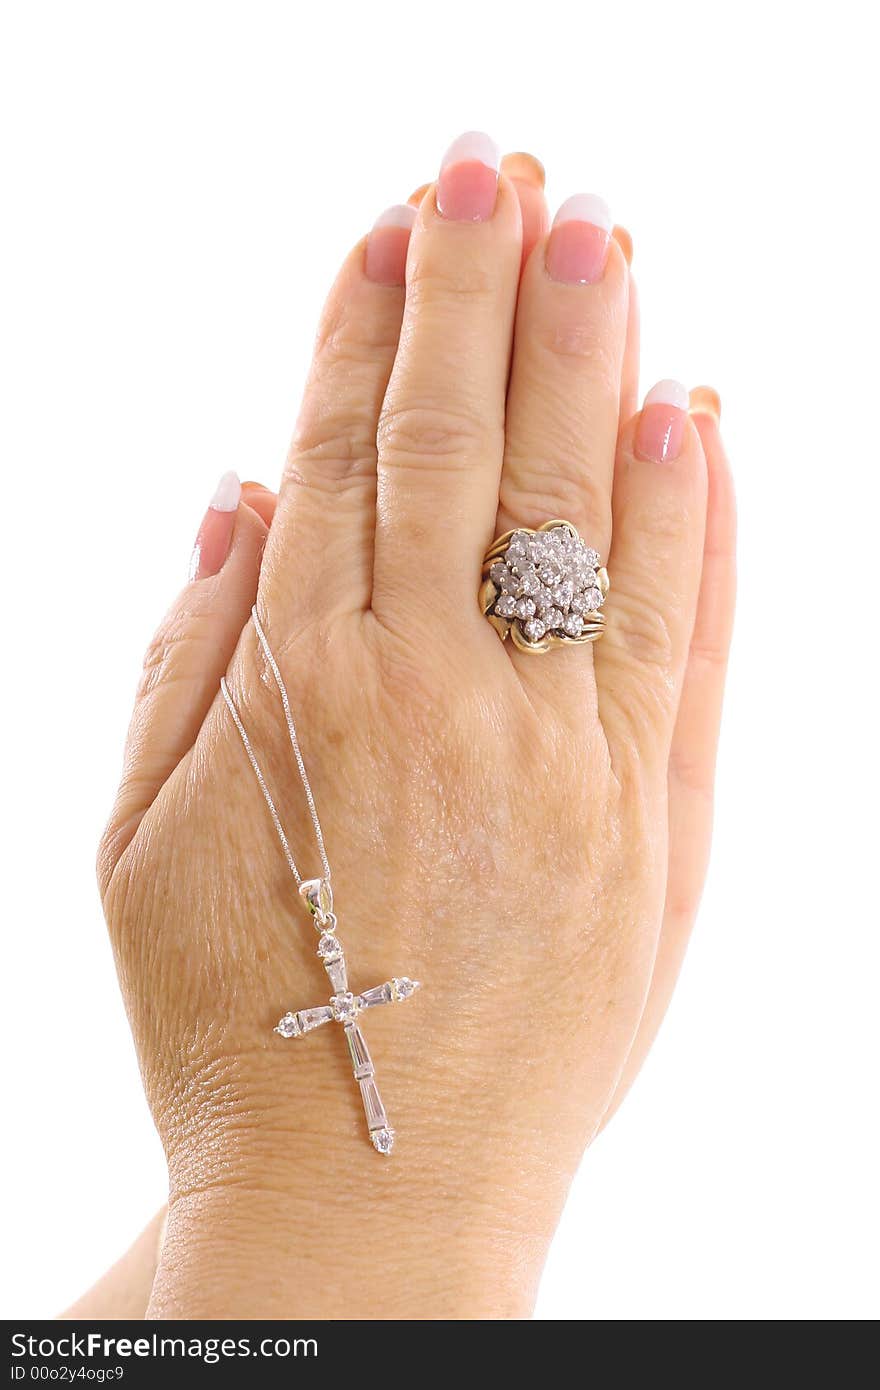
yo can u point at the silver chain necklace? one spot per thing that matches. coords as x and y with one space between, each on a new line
344 1007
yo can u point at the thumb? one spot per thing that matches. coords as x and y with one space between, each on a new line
185 660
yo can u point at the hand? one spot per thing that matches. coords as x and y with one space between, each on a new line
505 828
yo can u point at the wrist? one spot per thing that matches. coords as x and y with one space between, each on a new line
281 1208
305 1224
236 1252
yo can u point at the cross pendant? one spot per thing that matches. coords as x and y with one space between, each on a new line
345 1007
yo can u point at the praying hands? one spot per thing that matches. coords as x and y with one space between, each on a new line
509 736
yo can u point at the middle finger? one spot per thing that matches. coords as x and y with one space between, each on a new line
441 434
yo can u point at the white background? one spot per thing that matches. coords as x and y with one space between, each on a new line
180 181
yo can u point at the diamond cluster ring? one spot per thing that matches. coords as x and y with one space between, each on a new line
544 588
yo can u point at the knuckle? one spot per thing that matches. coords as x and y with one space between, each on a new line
348 338
708 653
647 711
646 633
427 429
451 280
334 443
328 457
591 348
180 632
672 521
161 653
681 907
692 772
639 672
335 438
534 491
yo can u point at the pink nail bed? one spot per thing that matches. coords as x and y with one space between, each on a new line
577 249
387 245
662 423
468 184
215 533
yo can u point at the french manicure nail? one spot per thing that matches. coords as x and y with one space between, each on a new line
660 431
468 184
385 259
215 533
578 246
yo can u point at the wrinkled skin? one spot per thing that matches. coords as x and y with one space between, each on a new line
525 835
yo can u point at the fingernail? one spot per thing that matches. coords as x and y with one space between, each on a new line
385 259
468 182
215 533
705 400
578 245
660 431
524 166
418 194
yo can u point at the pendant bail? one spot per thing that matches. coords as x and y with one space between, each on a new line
317 895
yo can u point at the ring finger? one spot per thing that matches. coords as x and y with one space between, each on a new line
564 396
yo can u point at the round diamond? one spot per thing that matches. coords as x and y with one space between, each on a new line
525 608
383 1139
562 594
288 1026
544 599
549 572
500 575
328 946
553 618
518 550
572 624
345 1006
529 585
505 605
534 629
592 600
404 987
